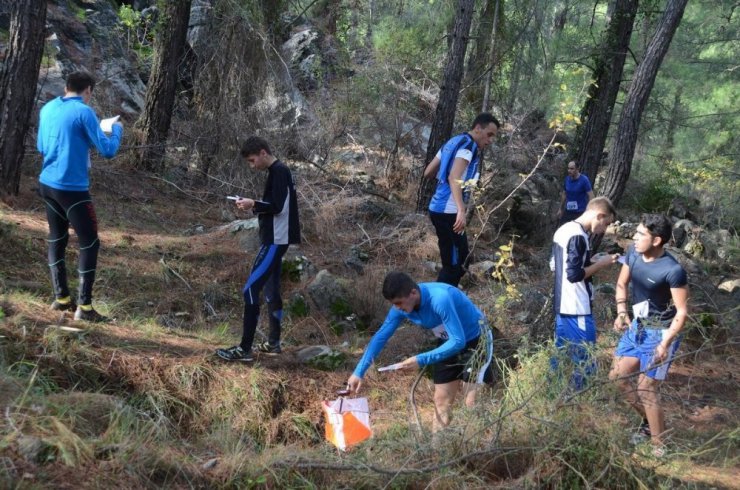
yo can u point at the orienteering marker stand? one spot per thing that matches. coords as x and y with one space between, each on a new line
347 420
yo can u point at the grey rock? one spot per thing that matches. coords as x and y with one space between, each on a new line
356 260
210 464
32 448
481 271
431 266
625 230
303 54
683 229
326 291
312 351
681 208
686 261
694 247
729 286
94 43
246 232
200 16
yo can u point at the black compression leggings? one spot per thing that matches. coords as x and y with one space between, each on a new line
64 208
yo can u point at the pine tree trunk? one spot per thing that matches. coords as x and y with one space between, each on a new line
477 63
623 149
18 77
161 90
596 114
449 92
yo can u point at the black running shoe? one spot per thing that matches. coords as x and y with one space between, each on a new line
57 306
235 353
91 316
268 348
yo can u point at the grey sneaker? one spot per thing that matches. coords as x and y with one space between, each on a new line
235 353
91 316
267 348
642 434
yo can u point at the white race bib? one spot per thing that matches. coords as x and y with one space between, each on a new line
571 205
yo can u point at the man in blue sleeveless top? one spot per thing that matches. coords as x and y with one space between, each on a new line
455 321
68 129
576 194
659 311
456 170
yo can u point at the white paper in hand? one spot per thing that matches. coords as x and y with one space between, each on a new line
392 367
107 124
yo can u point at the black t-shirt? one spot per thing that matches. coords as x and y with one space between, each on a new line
652 282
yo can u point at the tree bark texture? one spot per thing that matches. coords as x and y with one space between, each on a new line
449 92
18 77
623 148
596 115
161 90
491 60
478 60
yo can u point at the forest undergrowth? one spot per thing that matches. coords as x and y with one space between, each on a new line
144 403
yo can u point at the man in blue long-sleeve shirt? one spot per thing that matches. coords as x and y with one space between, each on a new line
458 324
68 129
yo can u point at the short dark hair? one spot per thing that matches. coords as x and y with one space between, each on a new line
398 285
78 81
658 225
602 204
574 163
484 119
253 145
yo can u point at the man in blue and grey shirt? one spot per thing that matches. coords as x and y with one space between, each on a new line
456 170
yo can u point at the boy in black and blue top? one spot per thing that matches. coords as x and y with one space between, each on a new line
454 320
456 169
575 331
68 129
277 212
659 311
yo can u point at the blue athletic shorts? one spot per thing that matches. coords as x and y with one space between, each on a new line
641 342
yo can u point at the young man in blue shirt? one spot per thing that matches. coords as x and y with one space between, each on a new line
659 310
456 170
278 222
458 324
68 129
576 194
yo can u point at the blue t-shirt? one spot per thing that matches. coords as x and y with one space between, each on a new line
68 128
461 146
652 283
445 310
576 193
